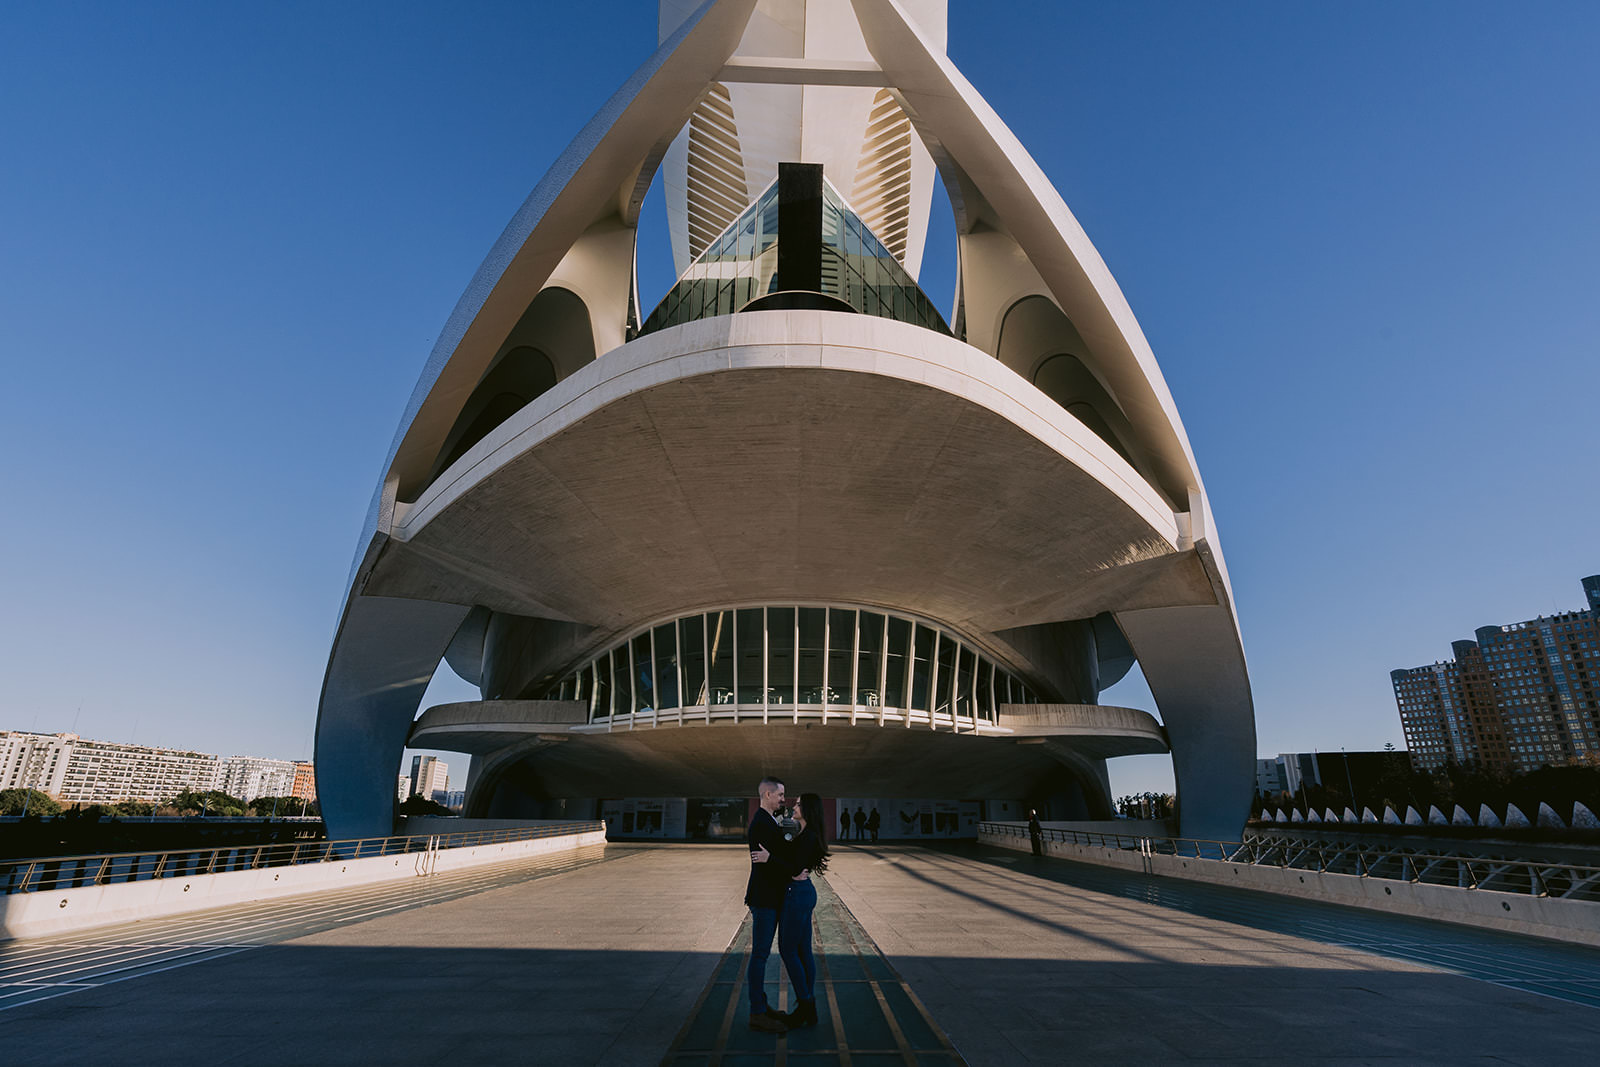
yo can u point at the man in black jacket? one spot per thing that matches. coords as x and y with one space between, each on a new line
764 897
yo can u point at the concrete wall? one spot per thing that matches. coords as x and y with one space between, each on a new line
1125 827
423 825
1562 920
67 910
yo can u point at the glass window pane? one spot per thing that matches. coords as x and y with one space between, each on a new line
719 631
811 652
692 655
600 696
894 681
621 684
667 665
749 645
867 664
985 693
921 668
945 677
780 643
643 678
963 700
841 647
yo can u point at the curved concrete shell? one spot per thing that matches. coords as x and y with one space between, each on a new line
918 555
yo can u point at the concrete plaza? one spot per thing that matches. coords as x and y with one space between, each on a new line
611 955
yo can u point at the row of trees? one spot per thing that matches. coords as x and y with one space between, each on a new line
1147 806
212 802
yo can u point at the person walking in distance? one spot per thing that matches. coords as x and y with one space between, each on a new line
763 895
844 823
1035 832
860 821
874 820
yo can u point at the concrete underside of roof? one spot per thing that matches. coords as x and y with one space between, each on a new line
770 468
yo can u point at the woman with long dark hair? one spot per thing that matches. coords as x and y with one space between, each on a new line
809 854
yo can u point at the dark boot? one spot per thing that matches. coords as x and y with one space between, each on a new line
803 1015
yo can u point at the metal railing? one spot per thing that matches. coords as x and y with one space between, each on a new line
72 872
1561 881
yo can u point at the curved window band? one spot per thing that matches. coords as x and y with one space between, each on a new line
787 656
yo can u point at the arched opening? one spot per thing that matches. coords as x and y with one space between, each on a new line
1039 342
553 339
516 378
1064 379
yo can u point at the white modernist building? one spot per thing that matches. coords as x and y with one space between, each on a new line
794 518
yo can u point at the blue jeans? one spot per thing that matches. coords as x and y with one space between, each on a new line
763 924
794 938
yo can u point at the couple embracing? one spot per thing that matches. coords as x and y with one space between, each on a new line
780 897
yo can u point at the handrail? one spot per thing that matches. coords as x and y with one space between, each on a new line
51 873
1561 881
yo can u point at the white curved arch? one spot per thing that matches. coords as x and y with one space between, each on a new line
595 180
1013 194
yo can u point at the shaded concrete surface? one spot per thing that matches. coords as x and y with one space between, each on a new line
597 964
865 1013
1022 960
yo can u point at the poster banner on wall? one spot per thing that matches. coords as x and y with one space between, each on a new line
656 818
674 817
716 818
907 818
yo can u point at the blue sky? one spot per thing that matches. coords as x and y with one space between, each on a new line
1361 237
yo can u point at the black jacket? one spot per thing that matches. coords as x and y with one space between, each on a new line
767 880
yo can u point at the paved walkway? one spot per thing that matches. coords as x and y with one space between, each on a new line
866 1015
629 954
589 957
1023 960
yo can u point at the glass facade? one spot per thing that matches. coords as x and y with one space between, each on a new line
790 657
742 265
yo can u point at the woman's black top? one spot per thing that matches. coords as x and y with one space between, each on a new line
804 852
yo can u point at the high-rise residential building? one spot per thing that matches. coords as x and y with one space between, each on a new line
429 775
304 786
871 542
104 772
76 770
1521 696
34 761
1270 777
248 777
